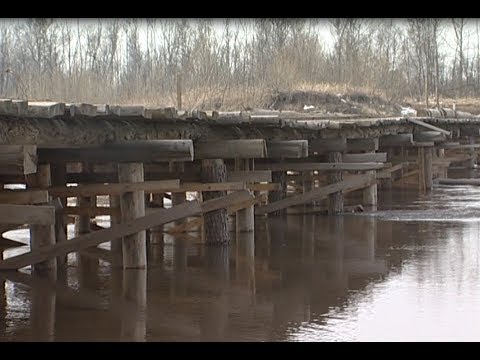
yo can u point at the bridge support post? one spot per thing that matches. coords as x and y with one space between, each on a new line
43 235
370 194
279 177
59 178
245 218
473 153
335 200
116 246
132 206
215 222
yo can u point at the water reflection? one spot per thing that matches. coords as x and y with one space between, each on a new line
296 278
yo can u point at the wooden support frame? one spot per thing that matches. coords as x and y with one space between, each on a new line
155 218
353 183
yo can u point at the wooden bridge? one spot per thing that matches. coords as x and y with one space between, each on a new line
235 164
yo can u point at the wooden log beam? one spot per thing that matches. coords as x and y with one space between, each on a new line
45 109
264 187
155 218
287 149
225 186
469 131
252 176
395 140
365 158
18 159
22 197
126 110
458 146
474 182
428 136
27 214
324 146
91 211
114 189
428 126
128 151
80 109
285 166
355 145
355 182
230 149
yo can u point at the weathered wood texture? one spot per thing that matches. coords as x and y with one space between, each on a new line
396 140
353 183
18 159
335 200
21 197
230 149
424 136
279 177
287 149
179 196
286 166
428 153
27 214
128 151
155 218
355 145
324 146
475 182
252 176
45 109
116 247
114 189
215 223
132 205
59 178
363 158
429 126
42 234
370 199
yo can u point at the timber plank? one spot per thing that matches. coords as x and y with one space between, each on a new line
20 197
27 214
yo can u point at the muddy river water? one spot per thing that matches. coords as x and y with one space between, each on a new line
409 272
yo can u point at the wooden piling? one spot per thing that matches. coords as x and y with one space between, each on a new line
215 222
370 194
43 235
245 261
421 169
59 178
42 313
133 322
335 205
473 153
245 218
428 172
177 197
115 246
132 206
157 238
279 177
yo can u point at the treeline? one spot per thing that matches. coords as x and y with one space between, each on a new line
233 63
